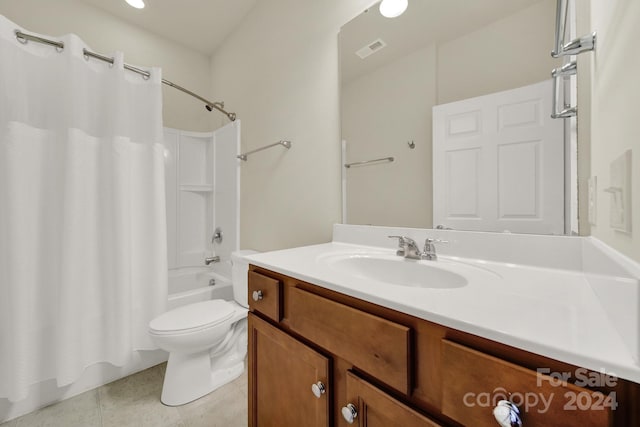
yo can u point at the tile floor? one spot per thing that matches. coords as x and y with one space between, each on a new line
134 401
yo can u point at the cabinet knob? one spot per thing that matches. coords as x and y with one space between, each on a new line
257 295
318 389
507 414
349 413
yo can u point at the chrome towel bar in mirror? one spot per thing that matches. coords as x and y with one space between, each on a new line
366 162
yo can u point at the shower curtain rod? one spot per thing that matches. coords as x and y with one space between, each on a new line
24 38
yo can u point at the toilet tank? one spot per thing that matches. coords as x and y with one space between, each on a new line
239 273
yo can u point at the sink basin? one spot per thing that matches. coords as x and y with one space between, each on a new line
396 270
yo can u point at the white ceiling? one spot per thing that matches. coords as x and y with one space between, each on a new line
198 24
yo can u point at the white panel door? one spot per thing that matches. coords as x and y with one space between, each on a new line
498 163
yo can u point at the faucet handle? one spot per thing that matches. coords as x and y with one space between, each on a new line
429 247
429 240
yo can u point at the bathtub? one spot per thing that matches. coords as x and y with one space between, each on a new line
195 284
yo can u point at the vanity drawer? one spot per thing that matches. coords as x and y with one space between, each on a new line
377 346
265 295
473 382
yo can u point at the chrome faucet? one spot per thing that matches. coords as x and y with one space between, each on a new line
408 248
429 251
209 260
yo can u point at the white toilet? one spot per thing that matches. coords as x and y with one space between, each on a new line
206 341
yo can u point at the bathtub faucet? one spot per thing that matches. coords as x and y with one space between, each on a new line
209 260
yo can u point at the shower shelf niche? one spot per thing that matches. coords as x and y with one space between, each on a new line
197 188
190 196
202 177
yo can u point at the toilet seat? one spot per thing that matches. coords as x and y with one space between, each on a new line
192 318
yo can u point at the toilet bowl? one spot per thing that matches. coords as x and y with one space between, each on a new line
206 341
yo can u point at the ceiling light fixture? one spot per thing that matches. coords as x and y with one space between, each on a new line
138 4
393 8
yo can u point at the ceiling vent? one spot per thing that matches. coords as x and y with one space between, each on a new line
371 48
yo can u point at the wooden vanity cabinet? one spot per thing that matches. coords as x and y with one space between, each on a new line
281 372
393 369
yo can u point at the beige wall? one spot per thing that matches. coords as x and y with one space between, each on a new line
615 97
381 112
105 34
506 54
279 70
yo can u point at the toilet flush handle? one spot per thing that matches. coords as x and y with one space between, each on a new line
257 295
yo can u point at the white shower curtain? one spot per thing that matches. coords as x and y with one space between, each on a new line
82 218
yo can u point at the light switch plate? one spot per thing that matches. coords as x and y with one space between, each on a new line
592 185
620 192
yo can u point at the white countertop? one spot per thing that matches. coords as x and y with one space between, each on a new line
548 311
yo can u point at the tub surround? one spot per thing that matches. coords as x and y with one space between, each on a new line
191 285
572 299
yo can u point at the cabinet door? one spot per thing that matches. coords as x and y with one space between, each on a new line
282 372
374 408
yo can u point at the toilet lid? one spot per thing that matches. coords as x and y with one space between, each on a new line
193 316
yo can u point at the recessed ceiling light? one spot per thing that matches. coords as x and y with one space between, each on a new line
138 4
393 8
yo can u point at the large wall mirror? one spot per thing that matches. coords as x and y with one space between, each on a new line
457 56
